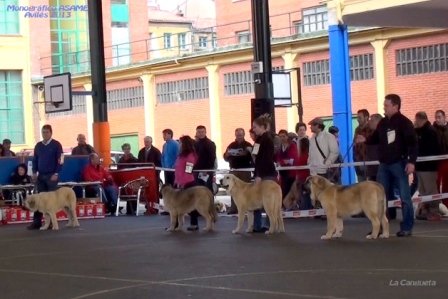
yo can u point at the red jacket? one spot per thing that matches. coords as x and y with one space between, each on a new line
302 174
93 173
290 153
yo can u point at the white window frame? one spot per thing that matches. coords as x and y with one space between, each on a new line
202 42
167 41
315 19
297 27
243 34
182 41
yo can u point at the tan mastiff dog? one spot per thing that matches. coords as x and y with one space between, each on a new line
49 203
343 201
180 202
249 197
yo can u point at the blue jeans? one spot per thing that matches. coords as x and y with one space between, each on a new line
110 195
258 213
393 175
43 184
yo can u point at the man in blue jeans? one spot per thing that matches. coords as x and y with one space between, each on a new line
46 167
397 154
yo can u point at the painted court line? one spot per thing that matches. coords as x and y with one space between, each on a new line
177 282
102 292
79 233
261 292
75 252
75 276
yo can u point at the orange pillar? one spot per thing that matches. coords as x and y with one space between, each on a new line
101 141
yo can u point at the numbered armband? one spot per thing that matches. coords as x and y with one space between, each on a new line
256 149
189 167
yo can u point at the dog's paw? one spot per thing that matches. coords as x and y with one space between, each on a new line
170 229
178 229
55 228
268 232
235 231
43 228
370 237
384 236
337 235
324 237
249 230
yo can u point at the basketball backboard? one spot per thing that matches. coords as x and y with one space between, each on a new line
282 88
58 93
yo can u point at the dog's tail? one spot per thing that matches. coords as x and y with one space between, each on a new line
212 208
72 198
382 204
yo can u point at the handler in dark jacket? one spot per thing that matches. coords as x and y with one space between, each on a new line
238 155
397 154
206 158
428 145
264 151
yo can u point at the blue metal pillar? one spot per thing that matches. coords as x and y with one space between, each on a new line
341 93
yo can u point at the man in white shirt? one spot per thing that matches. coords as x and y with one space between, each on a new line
324 149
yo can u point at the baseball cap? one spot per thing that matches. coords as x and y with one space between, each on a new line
316 121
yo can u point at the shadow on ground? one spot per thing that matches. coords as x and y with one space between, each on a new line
133 257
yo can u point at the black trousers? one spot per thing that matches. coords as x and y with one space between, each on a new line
169 177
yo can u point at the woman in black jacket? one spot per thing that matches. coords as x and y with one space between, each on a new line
20 177
264 151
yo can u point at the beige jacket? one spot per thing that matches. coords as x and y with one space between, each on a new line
328 145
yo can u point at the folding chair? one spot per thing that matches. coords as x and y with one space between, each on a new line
132 191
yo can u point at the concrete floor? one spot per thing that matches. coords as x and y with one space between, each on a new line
133 257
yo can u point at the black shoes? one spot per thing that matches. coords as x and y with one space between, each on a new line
404 233
261 230
193 228
33 227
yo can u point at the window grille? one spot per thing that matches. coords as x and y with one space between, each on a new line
422 60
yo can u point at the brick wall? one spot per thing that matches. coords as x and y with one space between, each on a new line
181 117
66 128
423 92
107 32
317 100
121 122
40 41
235 109
139 34
130 120
232 17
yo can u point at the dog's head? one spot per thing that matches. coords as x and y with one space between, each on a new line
314 185
31 202
220 207
228 182
163 190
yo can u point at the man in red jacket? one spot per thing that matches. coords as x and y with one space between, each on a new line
95 172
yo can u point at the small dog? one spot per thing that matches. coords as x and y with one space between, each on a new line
181 202
220 206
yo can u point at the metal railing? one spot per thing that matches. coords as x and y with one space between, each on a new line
219 38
